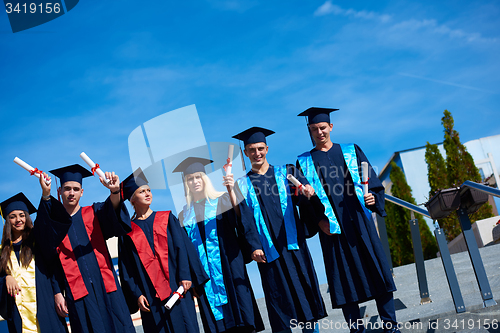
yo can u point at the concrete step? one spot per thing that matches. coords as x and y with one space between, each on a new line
437 316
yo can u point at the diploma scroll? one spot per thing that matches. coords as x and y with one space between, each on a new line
177 294
30 169
364 176
227 167
295 182
94 167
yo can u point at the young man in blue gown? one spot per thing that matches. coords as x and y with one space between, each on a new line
287 272
356 266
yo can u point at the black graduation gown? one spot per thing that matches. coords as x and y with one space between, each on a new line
46 238
99 311
235 250
290 283
356 266
136 282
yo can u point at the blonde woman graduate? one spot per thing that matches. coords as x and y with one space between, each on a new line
224 244
27 253
155 259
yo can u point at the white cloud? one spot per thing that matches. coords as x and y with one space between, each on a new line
329 8
429 25
434 27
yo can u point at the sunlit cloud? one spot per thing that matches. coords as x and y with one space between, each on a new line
329 8
429 25
442 29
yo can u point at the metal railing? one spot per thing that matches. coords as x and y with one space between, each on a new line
407 205
470 241
418 252
482 188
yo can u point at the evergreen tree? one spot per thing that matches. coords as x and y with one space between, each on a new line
436 169
398 223
460 167
438 180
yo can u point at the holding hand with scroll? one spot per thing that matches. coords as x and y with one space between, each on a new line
369 197
306 190
45 182
113 185
228 178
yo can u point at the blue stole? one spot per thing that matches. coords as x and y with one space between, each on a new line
248 192
352 164
309 170
286 207
215 290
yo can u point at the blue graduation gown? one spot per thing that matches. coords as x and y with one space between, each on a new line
356 266
136 282
235 250
290 283
46 238
98 311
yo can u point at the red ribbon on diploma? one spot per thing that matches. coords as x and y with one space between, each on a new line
297 189
228 164
94 168
363 183
35 170
180 295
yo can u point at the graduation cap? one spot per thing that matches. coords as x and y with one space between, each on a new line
17 202
253 135
192 164
317 115
132 183
70 173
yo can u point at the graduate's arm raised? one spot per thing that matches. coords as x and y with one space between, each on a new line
228 181
114 187
112 214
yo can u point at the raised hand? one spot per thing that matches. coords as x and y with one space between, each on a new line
228 181
114 181
44 179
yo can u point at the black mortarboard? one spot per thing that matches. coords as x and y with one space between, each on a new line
17 202
132 183
192 164
71 173
317 115
253 135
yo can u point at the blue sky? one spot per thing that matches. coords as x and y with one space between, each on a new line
84 81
